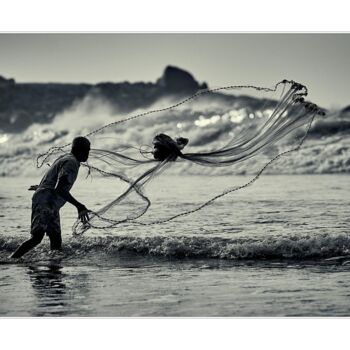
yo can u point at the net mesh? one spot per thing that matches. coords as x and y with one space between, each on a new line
246 128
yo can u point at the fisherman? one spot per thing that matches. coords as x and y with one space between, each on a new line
51 195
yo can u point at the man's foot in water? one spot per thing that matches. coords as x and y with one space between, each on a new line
12 257
55 253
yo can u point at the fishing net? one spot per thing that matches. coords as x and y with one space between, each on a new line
218 130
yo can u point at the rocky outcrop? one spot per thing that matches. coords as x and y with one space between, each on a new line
175 80
345 110
22 104
6 83
25 104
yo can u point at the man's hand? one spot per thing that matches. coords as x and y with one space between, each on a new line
83 214
33 188
61 190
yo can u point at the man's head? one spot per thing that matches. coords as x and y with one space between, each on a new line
81 148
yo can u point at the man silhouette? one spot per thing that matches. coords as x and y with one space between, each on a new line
51 195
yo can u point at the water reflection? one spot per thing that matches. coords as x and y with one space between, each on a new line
50 289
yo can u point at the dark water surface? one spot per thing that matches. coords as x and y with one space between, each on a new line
265 251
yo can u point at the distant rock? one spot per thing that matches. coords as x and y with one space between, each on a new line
6 82
176 80
22 104
345 110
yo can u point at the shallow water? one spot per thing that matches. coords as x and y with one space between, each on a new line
263 251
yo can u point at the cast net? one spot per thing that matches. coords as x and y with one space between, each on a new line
244 132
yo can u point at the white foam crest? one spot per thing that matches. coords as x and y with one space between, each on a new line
312 246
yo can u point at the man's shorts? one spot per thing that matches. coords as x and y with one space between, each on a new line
45 219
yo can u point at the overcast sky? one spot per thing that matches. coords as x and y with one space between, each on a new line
320 61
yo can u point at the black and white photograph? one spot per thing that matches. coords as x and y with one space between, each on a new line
174 174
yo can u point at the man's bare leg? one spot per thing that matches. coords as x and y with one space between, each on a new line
28 245
55 241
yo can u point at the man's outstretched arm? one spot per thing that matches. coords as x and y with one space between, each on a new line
61 190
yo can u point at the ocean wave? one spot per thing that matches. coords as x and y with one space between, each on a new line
331 126
208 123
291 247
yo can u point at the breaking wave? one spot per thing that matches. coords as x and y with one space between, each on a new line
292 247
204 122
